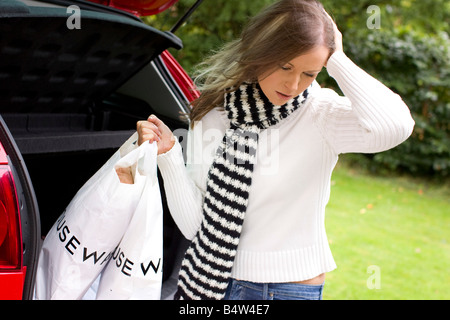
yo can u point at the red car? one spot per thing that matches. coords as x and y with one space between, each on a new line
75 76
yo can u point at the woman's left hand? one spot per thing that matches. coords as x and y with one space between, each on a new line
337 35
153 129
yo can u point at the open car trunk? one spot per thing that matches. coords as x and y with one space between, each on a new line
55 79
71 97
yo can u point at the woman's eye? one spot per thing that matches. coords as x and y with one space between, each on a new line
286 68
309 75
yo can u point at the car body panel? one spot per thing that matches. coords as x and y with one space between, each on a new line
68 99
14 284
139 7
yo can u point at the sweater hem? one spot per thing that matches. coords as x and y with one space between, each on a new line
283 266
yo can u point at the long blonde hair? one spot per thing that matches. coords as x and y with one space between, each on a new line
278 34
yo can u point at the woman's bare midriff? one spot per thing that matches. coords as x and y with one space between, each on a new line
316 280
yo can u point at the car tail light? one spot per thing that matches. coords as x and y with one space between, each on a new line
12 272
138 7
180 76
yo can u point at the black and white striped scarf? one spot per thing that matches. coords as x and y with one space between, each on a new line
208 262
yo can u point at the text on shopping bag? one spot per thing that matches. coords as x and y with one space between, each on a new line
72 243
126 265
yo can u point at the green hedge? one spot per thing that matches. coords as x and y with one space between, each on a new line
418 68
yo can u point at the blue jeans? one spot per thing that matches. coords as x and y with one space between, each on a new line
245 290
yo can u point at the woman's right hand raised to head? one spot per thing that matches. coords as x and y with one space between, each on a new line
337 35
153 129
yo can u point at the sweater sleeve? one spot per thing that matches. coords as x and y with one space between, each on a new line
184 197
370 117
185 184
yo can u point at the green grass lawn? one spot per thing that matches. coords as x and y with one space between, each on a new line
390 237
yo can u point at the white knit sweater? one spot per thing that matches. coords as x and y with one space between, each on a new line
283 237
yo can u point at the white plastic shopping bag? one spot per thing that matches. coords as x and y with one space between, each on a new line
135 270
82 241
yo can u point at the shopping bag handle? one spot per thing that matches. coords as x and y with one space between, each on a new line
147 162
142 158
129 145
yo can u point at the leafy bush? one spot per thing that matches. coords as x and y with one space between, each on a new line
417 67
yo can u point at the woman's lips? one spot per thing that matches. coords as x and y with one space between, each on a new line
284 96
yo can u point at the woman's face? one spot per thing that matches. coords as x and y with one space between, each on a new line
291 79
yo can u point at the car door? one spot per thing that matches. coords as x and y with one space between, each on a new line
19 222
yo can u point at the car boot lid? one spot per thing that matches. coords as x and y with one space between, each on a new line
57 58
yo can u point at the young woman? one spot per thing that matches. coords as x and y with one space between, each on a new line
263 141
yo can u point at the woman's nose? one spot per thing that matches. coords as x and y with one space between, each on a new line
292 83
